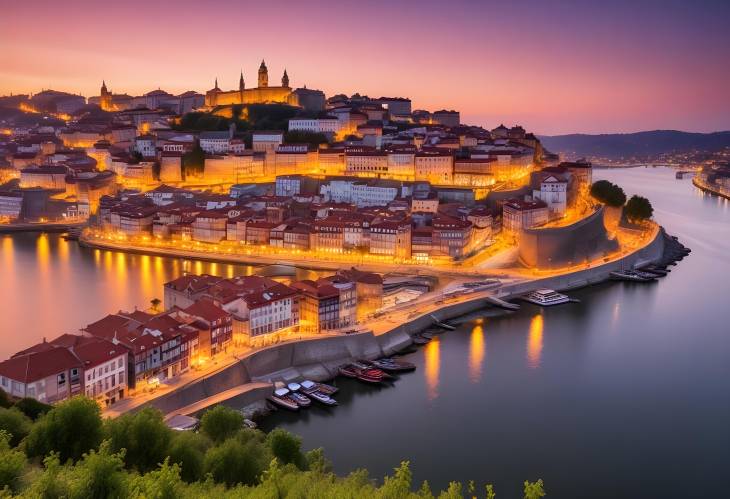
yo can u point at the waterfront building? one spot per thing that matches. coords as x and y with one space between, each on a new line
391 238
319 309
368 289
209 227
554 192
47 374
216 333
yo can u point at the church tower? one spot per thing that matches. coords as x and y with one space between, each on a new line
105 98
285 80
263 75
241 83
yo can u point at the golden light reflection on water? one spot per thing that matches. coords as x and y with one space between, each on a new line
43 253
477 349
432 354
534 342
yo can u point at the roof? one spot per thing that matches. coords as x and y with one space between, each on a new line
206 309
35 366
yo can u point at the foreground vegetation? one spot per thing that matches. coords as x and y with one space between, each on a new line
70 451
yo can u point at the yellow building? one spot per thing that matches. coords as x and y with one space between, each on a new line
263 94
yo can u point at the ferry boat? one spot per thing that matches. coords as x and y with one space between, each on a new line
546 297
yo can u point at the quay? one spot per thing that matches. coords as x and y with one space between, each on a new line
705 187
39 227
249 378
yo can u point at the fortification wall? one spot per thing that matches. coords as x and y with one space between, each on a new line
556 247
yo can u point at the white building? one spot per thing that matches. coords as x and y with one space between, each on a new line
322 125
554 192
215 142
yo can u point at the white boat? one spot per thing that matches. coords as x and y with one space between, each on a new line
294 387
282 398
546 297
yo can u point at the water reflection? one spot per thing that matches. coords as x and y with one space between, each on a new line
432 355
534 342
476 351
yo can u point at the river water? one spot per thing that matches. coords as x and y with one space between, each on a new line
626 394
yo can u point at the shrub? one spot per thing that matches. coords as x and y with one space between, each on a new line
15 423
221 422
638 208
608 193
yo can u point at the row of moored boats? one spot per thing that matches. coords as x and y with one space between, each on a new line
295 396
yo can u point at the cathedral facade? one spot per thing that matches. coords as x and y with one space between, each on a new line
262 94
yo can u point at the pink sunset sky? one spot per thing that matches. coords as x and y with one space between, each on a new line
554 67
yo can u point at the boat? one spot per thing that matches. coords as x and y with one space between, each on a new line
546 297
282 398
250 424
294 387
628 275
348 371
392 365
369 378
310 388
301 399
367 367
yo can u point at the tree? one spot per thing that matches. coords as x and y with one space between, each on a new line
608 193
187 449
12 463
143 435
155 302
302 137
4 399
234 462
162 483
193 162
32 408
534 490
99 475
638 208
220 423
72 428
15 423
286 447
52 482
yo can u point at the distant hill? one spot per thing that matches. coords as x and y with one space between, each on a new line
640 144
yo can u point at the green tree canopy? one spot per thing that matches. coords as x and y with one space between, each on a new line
187 449
99 475
143 435
12 463
608 193
221 422
286 447
638 208
72 428
4 399
235 462
301 137
15 423
32 408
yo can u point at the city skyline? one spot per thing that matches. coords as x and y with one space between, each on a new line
567 68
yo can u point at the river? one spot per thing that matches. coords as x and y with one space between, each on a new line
626 394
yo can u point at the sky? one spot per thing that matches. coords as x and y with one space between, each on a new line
554 67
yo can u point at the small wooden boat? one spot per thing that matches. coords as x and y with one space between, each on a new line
348 371
310 388
367 378
392 365
281 398
301 399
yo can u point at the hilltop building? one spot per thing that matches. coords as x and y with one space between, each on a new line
265 94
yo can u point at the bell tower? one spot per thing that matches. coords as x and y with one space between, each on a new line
263 75
285 80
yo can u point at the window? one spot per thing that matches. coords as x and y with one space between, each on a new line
61 379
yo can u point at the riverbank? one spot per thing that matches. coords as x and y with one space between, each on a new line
319 358
39 227
705 187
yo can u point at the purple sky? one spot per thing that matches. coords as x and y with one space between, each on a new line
554 67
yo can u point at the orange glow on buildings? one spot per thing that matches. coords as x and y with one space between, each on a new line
534 342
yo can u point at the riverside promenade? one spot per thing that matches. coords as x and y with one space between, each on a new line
248 378
705 187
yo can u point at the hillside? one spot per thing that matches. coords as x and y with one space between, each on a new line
640 144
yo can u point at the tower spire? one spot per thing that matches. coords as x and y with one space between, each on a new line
241 83
285 79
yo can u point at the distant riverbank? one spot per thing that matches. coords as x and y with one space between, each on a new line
705 187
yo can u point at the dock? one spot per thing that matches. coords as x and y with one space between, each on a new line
502 303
